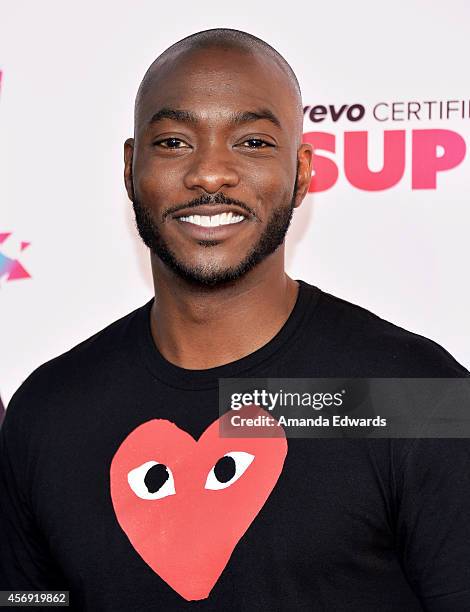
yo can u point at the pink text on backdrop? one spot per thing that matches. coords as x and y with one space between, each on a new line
432 151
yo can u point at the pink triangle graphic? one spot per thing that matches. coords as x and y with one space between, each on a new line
24 245
17 271
4 236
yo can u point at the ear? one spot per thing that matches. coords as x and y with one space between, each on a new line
128 157
304 172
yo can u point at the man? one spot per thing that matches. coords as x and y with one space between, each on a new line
115 483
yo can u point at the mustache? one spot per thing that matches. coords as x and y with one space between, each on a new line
208 199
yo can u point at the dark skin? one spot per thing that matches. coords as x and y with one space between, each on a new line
253 161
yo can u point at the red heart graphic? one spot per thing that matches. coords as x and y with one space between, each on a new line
185 516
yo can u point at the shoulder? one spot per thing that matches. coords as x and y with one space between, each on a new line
386 349
72 372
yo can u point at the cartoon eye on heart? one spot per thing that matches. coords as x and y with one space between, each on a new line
151 480
228 470
184 504
154 480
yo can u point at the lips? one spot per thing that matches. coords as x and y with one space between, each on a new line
209 232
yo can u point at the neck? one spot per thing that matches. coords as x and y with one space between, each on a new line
198 328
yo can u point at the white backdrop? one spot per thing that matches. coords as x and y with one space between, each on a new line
70 71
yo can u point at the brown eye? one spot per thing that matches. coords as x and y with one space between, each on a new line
171 143
257 143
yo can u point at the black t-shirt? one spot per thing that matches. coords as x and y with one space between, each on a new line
335 524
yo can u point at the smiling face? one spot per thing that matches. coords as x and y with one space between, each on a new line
217 164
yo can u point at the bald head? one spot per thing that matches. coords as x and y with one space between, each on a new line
224 40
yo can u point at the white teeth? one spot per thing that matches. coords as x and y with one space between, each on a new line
213 220
236 219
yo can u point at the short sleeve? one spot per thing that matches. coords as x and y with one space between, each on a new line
25 561
433 522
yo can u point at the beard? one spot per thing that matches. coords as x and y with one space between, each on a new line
210 275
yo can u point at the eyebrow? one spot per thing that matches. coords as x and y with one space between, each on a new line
186 116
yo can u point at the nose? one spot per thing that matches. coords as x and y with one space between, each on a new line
211 169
